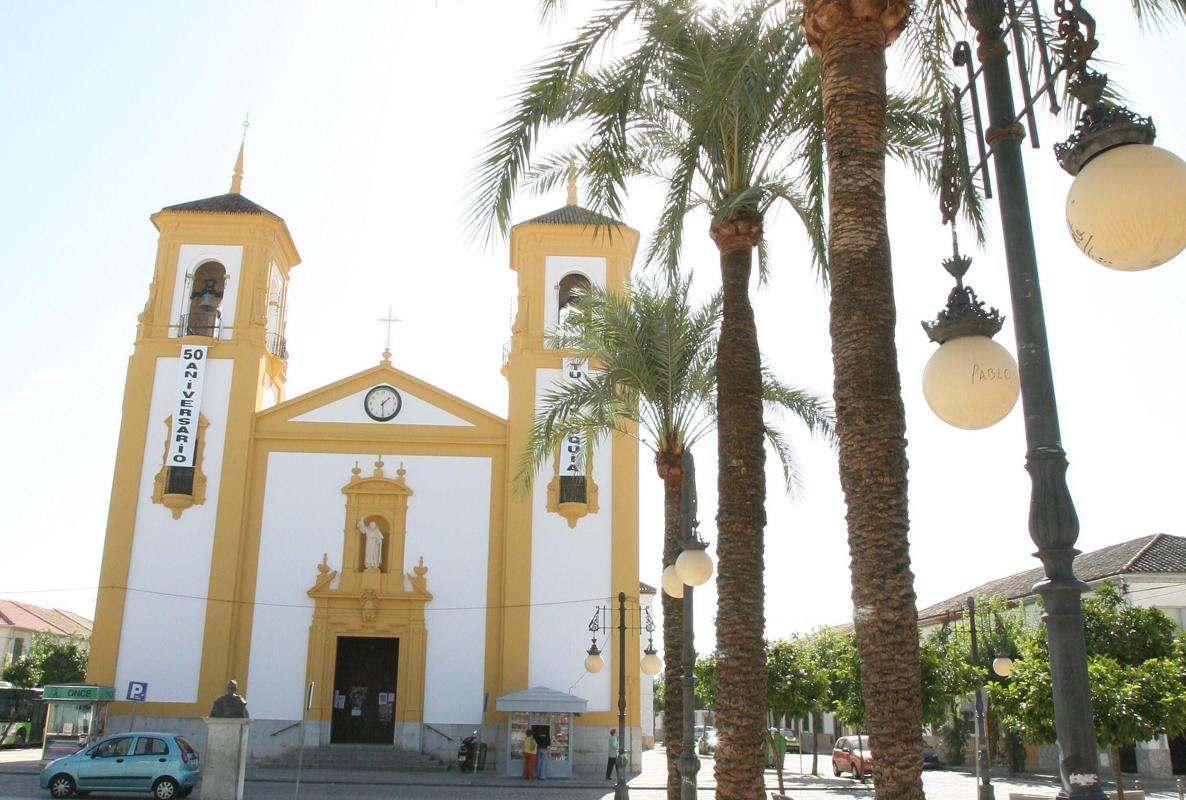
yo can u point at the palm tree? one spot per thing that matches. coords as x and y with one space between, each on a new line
654 357
724 109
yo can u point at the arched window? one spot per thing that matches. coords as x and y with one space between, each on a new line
205 297
573 287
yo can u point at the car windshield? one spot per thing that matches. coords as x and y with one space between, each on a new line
860 743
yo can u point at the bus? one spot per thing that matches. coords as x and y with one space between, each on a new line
22 717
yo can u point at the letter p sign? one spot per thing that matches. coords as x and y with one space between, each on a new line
137 691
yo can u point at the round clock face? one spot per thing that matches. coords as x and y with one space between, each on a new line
382 403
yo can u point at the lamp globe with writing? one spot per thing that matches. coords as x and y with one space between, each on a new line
1126 208
971 382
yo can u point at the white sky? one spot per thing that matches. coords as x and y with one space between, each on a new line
366 118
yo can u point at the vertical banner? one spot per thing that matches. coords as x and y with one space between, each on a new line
188 402
572 452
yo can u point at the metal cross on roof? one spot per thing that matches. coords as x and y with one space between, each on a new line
389 320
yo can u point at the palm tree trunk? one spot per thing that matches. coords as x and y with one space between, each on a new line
673 639
851 37
741 519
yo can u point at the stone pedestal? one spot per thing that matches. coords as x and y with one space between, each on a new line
224 764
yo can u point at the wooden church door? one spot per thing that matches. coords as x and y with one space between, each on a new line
364 690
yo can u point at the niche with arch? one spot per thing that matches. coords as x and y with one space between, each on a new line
204 315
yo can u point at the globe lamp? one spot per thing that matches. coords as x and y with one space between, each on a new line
1126 208
650 662
672 585
594 662
694 566
971 382
1003 666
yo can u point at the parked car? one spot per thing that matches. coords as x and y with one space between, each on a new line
161 763
706 743
930 758
851 754
792 738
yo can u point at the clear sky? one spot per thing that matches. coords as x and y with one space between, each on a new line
365 120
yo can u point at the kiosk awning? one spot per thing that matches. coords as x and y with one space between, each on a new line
541 698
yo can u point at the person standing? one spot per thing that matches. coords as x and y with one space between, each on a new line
541 758
529 753
613 753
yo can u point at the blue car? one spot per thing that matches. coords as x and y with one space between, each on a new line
161 763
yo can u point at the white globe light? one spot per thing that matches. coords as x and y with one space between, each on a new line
1127 207
594 662
672 584
1003 666
651 664
971 382
694 566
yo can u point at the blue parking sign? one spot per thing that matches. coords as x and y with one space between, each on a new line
137 691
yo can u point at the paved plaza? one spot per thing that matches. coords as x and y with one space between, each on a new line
19 770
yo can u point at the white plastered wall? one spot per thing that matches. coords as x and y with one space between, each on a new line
169 575
192 256
570 576
448 524
413 411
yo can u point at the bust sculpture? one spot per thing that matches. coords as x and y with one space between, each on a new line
231 705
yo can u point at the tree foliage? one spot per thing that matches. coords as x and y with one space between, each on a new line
49 660
1136 663
795 684
705 673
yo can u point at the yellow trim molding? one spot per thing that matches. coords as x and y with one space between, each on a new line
179 502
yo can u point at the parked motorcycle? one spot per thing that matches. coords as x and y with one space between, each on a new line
467 753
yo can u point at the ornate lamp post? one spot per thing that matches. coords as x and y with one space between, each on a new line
1112 155
650 665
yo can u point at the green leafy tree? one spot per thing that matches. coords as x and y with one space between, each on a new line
49 660
705 673
654 378
1136 664
721 106
795 685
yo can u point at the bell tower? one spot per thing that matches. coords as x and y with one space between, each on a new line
209 354
576 534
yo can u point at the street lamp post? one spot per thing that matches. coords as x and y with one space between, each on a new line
984 790
1053 523
692 568
650 665
1112 155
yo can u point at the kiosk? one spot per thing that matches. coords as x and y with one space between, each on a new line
76 715
547 714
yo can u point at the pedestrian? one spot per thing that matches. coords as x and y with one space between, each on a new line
541 758
529 752
613 753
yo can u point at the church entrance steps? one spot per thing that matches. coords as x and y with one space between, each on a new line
361 757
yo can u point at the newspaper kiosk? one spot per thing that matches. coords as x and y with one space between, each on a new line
76 715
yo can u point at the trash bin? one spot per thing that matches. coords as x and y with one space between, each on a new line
482 756
780 748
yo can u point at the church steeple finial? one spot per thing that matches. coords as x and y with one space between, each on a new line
572 184
237 178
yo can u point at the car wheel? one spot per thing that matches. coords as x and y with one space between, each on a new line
165 789
835 769
61 785
20 738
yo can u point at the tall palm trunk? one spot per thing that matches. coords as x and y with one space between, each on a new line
673 618
741 519
851 37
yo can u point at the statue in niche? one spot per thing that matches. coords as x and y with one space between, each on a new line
373 555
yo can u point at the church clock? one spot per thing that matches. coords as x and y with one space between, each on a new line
382 403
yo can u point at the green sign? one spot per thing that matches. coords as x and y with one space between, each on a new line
81 692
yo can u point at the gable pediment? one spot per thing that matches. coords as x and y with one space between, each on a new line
338 410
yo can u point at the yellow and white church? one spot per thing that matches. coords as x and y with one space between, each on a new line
358 556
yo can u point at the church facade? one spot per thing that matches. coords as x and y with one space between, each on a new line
359 557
